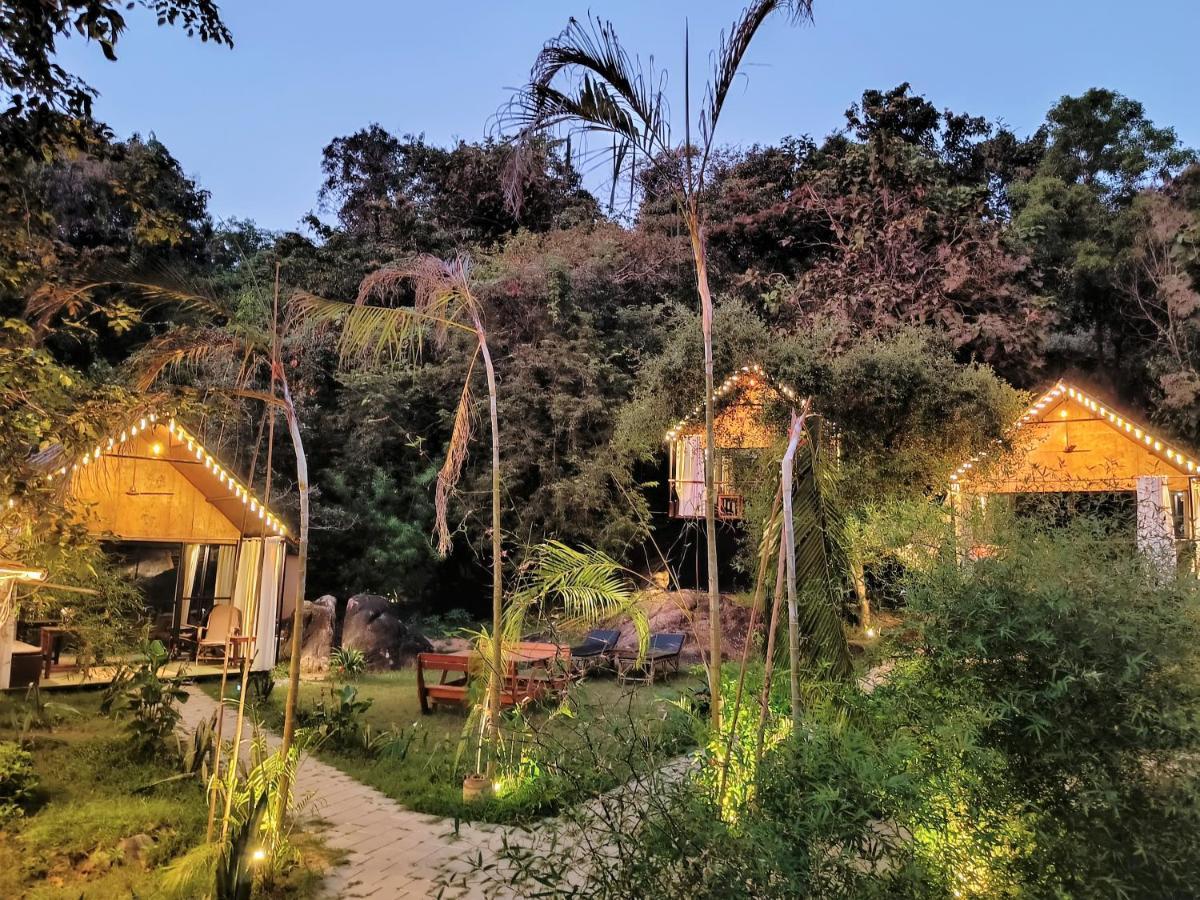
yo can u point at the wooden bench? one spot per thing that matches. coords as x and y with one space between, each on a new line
448 692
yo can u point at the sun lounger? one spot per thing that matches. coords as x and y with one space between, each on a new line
662 655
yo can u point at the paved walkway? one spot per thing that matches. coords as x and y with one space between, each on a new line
392 852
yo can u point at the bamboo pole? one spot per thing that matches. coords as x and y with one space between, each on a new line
789 531
245 659
215 778
760 585
769 663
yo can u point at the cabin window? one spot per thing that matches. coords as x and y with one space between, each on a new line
1116 510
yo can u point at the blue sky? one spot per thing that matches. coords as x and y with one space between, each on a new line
250 123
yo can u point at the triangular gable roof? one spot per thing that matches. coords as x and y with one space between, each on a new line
1068 440
746 378
153 440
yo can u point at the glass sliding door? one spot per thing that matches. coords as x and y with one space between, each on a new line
208 576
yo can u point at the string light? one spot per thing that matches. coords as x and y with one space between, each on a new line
181 434
751 374
1171 454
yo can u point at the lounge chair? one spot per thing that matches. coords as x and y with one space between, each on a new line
662 655
596 648
224 622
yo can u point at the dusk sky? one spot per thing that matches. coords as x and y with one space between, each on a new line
249 123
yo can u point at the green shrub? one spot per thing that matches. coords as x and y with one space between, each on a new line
1038 736
337 718
17 780
150 702
1086 666
346 664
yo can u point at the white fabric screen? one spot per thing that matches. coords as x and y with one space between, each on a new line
191 559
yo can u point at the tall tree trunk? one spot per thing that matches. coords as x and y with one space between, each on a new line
859 577
699 256
289 704
789 534
495 682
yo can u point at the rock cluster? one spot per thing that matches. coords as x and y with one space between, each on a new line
371 624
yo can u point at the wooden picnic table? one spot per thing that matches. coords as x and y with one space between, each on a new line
456 668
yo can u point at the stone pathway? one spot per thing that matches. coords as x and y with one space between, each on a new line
392 852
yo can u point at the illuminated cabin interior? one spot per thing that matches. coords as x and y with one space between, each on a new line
190 533
1070 443
751 415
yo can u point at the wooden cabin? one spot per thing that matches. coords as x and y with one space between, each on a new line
751 415
1071 442
188 531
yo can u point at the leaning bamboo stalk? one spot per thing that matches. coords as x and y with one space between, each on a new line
699 255
769 662
215 778
289 717
245 660
789 530
760 585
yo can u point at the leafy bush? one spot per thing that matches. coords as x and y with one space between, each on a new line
38 714
149 700
336 718
1085 664
347 664
17 781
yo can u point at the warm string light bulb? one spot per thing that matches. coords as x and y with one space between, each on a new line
726 386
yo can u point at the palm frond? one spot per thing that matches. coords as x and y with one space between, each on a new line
585 81
192 349
367 333
585 587
456 455
607 79
727 60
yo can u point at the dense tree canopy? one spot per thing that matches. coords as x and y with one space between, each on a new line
892 270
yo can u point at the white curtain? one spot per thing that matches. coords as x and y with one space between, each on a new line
245 588
224 584
689 477
256 593
191 559
8 629
270 594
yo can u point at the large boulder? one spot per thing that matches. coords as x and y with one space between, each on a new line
316 640
373 626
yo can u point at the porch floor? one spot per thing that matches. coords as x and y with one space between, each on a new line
74 678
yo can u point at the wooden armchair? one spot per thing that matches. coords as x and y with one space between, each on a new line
224 622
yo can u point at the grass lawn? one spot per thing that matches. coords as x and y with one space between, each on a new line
604 734
88 802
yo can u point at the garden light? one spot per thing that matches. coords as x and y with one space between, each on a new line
16 571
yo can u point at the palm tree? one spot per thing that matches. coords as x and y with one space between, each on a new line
585 82
444 302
